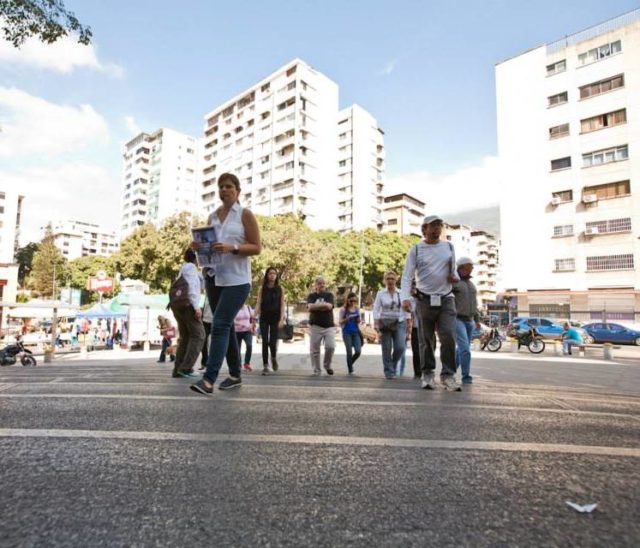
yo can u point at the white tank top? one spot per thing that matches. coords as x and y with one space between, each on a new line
232 269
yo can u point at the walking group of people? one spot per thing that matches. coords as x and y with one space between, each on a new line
436 296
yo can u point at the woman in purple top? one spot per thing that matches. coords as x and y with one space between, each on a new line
350 323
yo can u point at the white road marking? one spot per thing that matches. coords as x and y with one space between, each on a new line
328 440
305 401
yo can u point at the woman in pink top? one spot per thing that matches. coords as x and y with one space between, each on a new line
245 326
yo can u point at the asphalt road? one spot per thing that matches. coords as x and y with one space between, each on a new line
113 452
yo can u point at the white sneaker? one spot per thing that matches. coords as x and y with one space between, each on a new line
450 383
316 373
428 381
267 371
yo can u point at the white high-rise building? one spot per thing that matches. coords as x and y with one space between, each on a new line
287 142
10 219
569 146
403 215
160 178
79 239
360 170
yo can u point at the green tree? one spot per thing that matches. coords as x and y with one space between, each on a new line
48 264
79 270
46 19
24 258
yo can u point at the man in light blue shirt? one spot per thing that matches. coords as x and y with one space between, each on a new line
570 336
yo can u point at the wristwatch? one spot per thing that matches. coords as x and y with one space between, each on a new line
236 249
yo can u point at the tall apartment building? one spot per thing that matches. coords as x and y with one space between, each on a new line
79 239
160 178
279 138
361 167
569 145
403 215
286 140
10 219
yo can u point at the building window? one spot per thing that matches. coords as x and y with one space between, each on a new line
611 226
561 163
562 230
558 131
596 88
600 53
562 196
598 157
557 67
342 163
602 121
603 263
558 99
607 191
565 265
291 71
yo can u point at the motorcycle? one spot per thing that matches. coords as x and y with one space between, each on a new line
11 353
529 338
491 340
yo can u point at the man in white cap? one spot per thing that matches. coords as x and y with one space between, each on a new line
466 316
432 263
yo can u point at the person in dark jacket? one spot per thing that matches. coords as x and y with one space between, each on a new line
467 317
270 312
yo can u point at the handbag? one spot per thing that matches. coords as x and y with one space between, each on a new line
389 324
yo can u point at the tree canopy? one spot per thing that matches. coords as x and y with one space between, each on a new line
47 20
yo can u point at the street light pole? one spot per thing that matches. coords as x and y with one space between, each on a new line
361 270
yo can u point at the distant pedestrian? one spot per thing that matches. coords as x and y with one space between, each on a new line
168 333
467 317
270 310
351 336
417 346
245 326
321 326
189 319
391 324
570 337
432 262
229 282
207 317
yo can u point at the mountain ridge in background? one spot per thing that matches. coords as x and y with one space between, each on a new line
485 218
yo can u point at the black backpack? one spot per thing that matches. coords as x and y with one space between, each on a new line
179 294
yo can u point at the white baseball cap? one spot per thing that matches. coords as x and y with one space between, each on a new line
431 219
464 260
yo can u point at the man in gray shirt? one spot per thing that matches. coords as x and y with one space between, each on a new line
432 263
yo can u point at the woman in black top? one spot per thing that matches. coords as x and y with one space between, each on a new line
270 310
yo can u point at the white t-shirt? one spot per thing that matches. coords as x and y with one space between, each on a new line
431 264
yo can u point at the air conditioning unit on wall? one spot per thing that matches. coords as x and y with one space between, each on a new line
589 198
591 230
556 200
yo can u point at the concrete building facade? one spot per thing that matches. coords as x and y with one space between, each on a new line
403 215
10 221
160 178
361 167
569 146
79 239
279 137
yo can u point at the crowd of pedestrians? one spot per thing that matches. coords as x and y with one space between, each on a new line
436 296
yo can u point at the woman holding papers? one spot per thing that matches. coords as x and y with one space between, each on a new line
227 280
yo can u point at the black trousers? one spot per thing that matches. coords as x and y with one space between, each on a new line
205 346
269 333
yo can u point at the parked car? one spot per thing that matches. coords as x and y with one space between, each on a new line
613 333
548 328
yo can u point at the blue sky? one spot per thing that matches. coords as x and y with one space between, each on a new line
424 69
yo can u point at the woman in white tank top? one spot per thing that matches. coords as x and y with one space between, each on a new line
229 282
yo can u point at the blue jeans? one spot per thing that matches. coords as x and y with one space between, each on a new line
402 362
567 344
464 329
225 303
353 346
247 338
393 344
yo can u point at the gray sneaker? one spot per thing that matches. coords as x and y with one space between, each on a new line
428 381
316 373
267 371
450 383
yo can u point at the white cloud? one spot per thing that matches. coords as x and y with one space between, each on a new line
468 188
132 127
32 125
63 56
388 68
67 191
